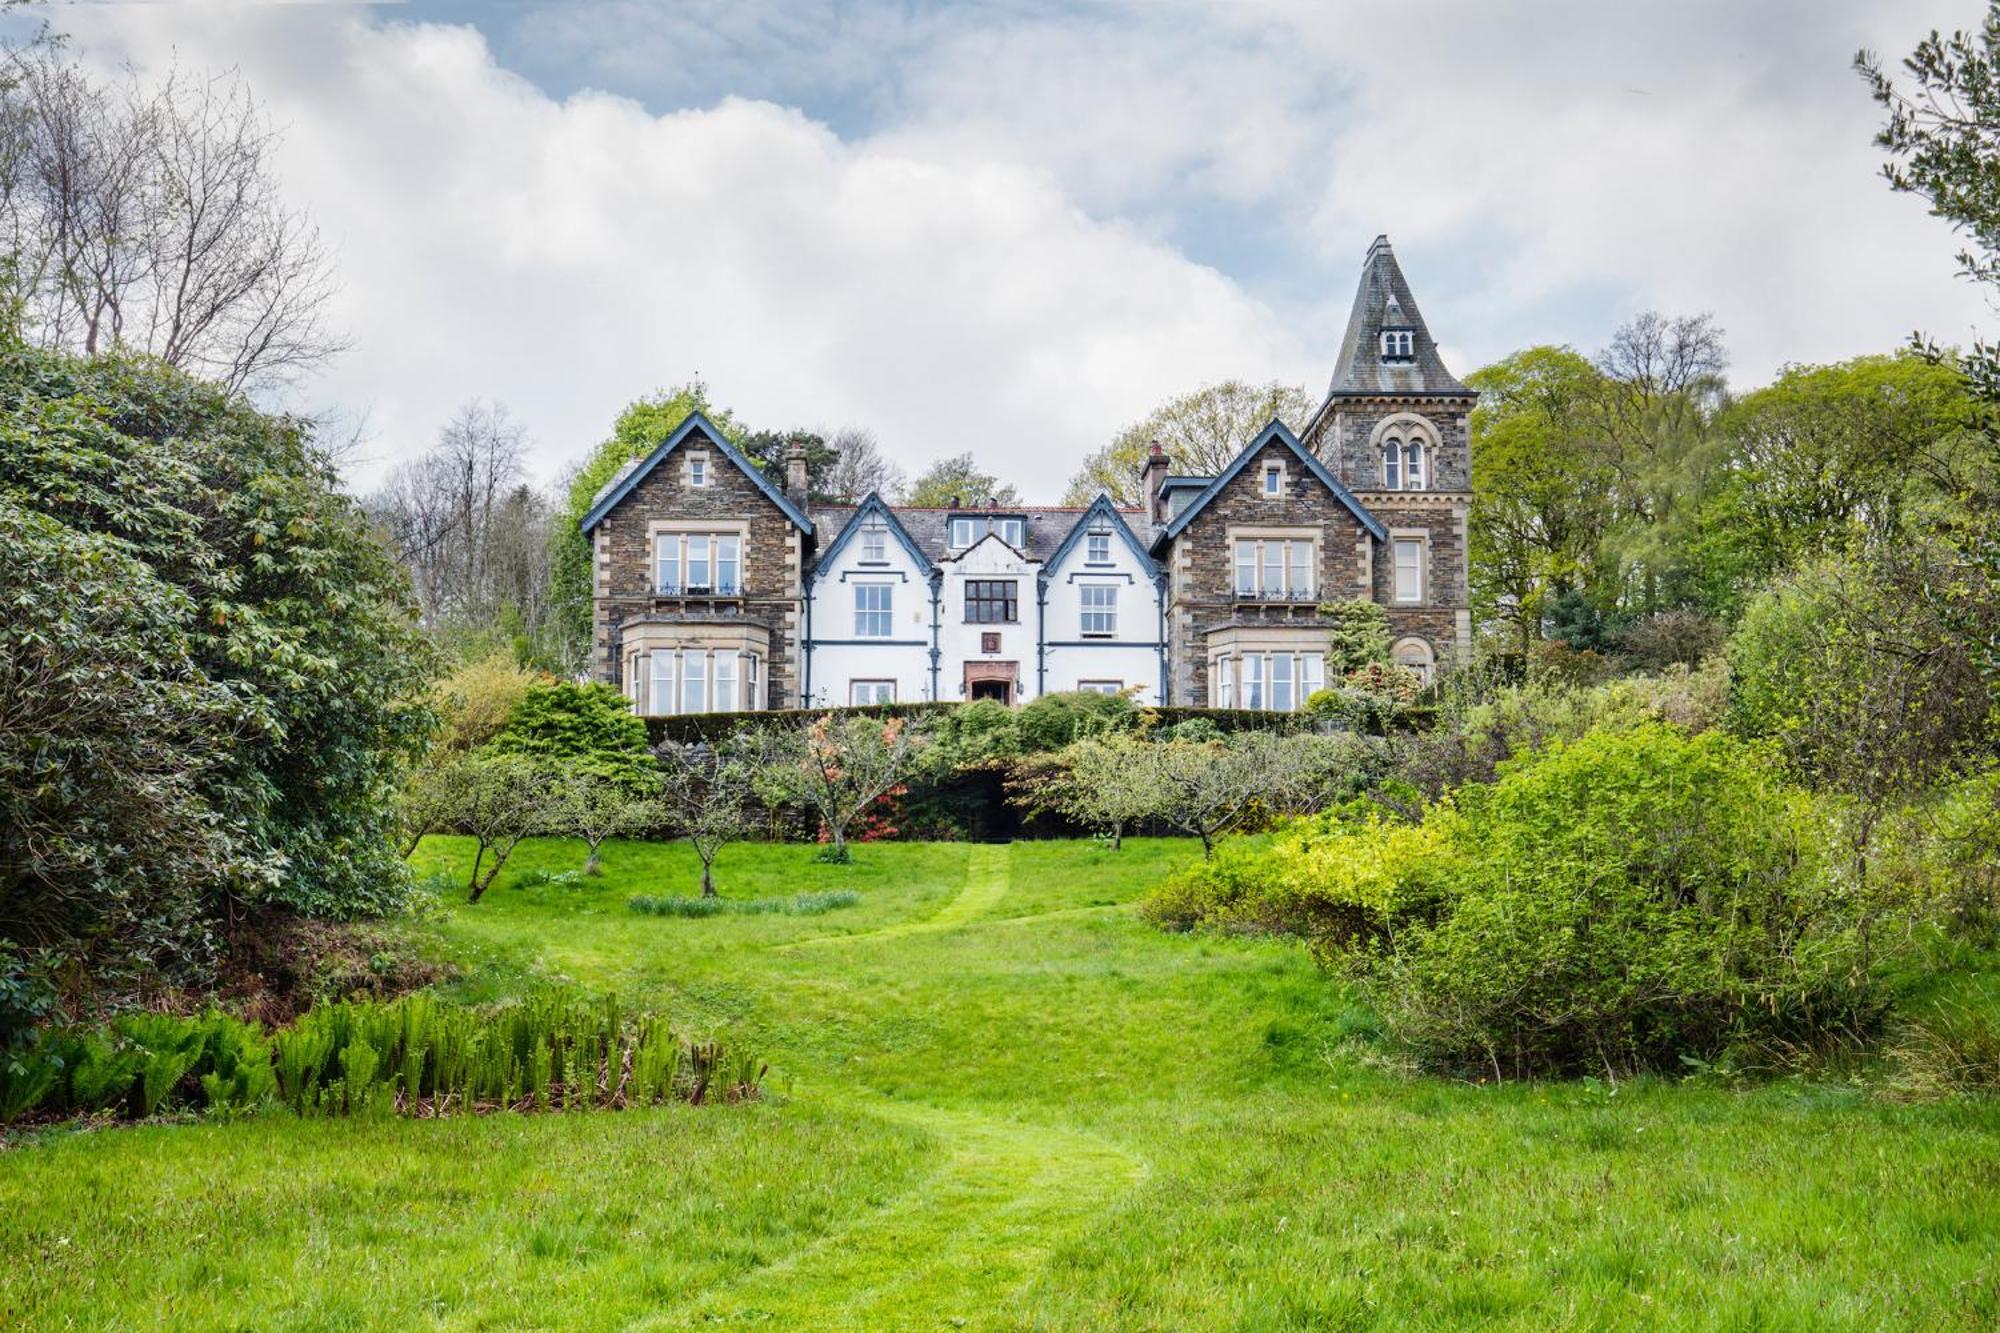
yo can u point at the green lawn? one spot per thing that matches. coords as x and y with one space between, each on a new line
1005 1102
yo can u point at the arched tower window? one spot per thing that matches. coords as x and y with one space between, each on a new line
1413 465
1392 464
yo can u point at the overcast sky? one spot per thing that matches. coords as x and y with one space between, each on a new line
1015 228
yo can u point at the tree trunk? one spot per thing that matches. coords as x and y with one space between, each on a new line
1207 845
590 866
473 883
708 879
1117 835
839 856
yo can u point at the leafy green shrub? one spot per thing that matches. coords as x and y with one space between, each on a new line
1054 720
973 734
567 725
229 676
1615 904
801 904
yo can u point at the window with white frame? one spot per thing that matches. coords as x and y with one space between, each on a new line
1409 569
1274 480
874 607
697 470
874 542
1403 464
1277 569
1100 686
871 691
963 531
698 562
1399 344
1100 609
696 680
1278 682
1097 545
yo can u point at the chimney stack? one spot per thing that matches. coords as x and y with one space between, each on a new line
795 473
1151 477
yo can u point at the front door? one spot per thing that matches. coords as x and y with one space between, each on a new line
991 680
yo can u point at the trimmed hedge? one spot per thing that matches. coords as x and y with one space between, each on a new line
689 727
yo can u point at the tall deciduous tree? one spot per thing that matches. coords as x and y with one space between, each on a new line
472 532
1943 141
959 479
860 468
1543 481
149 217
1201 431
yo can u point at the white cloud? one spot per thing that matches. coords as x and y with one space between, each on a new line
993 253
565 257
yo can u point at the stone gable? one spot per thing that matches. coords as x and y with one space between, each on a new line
771 562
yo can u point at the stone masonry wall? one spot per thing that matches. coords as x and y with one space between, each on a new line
1202 569
771 568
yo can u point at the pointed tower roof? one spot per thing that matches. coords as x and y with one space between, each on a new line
1383 304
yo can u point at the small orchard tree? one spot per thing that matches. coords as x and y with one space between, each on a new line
838 767
429 800
707 795
1110 782
501 799
594 807
1208 788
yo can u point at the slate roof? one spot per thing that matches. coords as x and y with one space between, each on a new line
1279 432
696 424
1048 525
1383 301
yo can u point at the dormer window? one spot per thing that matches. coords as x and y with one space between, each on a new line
874 543
1399 345
964 530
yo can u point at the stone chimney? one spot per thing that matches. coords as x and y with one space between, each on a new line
1151 476
795 474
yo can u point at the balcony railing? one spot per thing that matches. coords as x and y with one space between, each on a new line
718 588
1293 596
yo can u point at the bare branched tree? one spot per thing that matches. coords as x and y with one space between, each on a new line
471 530
149 218
861 468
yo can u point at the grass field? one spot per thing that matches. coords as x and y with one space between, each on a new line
1001 1101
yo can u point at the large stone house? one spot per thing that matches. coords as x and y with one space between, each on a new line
718 589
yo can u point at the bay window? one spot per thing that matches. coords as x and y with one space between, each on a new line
1278 682
695 680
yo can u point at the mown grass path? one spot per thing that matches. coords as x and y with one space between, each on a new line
1004 1194
1003 1101
986 868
